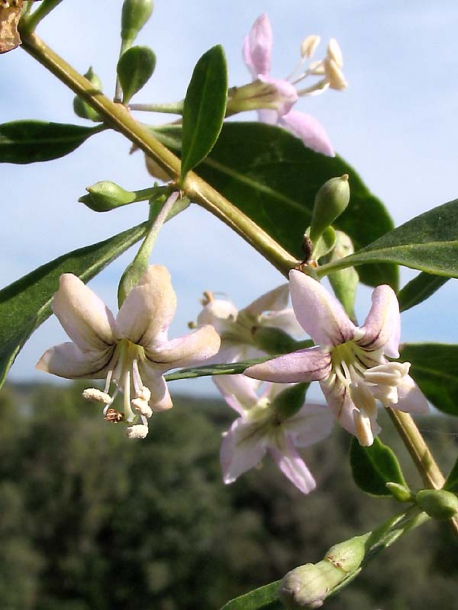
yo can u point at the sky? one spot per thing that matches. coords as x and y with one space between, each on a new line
396 124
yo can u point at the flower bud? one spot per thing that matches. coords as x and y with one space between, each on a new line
401 493
135 13
437 503
105 196
330 202
344 282
273 340
290 401
309 585
80 107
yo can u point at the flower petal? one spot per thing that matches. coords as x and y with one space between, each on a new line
257 47
274 300
410 397
83 315
220 313
293 466
284 320
382 327
160 397
238 391
312 364
68 361
284 94
309 130
310 425
240 450
319 313
188 350
148 310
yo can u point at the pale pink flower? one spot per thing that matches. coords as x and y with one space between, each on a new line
284 92
350 362
261 428
131 351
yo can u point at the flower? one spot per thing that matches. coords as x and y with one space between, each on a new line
131 351
349 361
239 330
261 428
284 92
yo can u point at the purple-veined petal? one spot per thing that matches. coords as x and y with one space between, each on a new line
410 397
188 350
293 466
319 313
148 310
274 300
310 425
312 364
238 391
240 450
257 47
160 397
382 327
309 130
68 361
83 315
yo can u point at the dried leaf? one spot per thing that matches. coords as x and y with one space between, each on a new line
10 13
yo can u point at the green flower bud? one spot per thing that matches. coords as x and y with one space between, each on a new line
80 107
273 340
105 196
330 202
135 13
309 585
437 503
345 281
288 402
401 493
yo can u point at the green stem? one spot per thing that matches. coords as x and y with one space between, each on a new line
30 22
175 108
119 118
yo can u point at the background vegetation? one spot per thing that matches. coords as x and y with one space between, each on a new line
90 520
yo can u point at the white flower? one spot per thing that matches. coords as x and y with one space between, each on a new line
131 351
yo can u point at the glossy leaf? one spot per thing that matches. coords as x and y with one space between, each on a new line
428 242
374 466
135 68
273 178
264 598
204 108
34 141
419 289
435 369
26 303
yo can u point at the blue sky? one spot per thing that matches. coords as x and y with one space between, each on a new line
396 124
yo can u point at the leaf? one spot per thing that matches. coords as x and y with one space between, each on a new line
264 598
204 108
434 368
36 141
26 303
419 289
374 466
273 178
428 242
216 369
135 68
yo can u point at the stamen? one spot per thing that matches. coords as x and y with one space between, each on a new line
137 431
363 429
95 395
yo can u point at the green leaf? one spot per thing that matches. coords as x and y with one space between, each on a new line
135 68
26 303
204 108
215 369
419 289
451 483
273 178
434 368
428 242
34 141
264 598
374 466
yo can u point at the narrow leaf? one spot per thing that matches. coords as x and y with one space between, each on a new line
135 68
204 108
264 598
434 368
273 178
216 369
419 289
428 242
374 466
26 303
34 141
